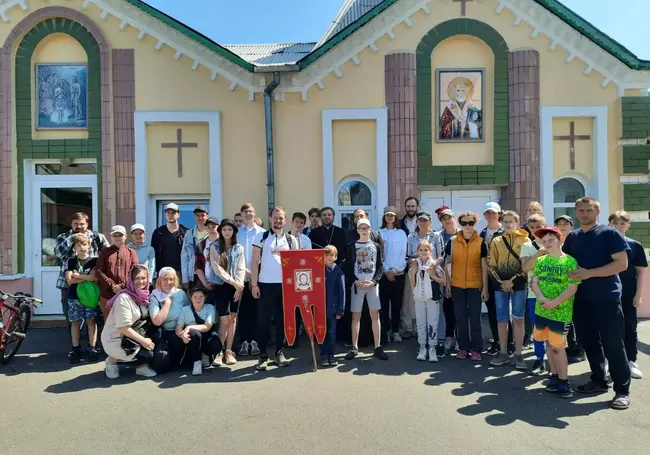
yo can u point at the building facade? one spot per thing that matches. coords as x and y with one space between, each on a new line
114 108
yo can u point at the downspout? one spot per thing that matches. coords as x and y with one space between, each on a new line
268 121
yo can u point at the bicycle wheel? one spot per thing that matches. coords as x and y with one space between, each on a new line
19 323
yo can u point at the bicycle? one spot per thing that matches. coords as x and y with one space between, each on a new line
15 316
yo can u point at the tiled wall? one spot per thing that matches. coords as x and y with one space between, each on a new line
636 117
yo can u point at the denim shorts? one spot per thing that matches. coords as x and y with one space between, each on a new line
78 312
502 300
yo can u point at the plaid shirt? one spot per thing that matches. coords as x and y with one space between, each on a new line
64 251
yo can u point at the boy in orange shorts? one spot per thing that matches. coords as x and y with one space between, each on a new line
555 292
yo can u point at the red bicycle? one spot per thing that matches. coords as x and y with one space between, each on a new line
15 315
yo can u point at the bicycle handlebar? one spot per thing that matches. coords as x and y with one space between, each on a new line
19 296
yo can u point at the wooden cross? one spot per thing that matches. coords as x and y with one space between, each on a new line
572 144
179 145
463 6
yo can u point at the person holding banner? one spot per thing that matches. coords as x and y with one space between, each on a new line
266 284
366 259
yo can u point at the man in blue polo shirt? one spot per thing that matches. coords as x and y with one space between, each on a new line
601 252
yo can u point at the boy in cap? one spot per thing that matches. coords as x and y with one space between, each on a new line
145 253
565 224
167 240
447 219
113 267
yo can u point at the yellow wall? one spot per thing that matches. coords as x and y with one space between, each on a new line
56 48
464 51
584 149
354 145
162 163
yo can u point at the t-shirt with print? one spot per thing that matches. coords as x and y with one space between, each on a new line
635 258
553 274
207 313
528 250
365 265
81 266
270 264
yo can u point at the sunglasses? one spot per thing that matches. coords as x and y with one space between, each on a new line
467 223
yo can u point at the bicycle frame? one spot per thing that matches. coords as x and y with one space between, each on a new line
13 313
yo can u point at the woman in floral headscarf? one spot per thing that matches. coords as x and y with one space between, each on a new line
130 305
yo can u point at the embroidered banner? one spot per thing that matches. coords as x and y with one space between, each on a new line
303 286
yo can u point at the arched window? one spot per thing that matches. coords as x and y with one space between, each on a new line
566 192
354 193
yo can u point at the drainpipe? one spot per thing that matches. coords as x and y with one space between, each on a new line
268 121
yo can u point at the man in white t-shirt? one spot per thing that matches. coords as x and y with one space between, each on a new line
266 284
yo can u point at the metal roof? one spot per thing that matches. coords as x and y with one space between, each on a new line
271 54
351 11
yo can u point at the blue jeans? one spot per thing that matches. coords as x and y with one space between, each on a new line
327 348
540 347
503 304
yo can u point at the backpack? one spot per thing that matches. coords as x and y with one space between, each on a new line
88 294
265 236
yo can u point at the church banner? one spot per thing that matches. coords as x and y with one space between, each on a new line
303 286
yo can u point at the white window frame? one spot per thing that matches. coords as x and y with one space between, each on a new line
578 178
347 209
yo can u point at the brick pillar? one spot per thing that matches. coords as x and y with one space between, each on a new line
6 160
124 135
524 186
400 81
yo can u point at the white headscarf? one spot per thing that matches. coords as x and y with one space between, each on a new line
159 294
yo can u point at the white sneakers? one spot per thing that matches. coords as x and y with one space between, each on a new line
422 354
635 371
112 370
397 337
218 360
197 368
450 344
433 358
145 371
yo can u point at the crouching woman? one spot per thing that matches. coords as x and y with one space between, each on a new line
194 328
129 310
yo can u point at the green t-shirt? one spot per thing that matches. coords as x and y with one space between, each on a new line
554 278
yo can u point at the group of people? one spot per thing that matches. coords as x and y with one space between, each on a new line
567 291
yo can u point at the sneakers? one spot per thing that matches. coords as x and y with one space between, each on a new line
75 355
229 358
243 350
433 356
564 389
635 371
450 343
281 360
332 360
511 349
462 354
520 363
553 384
205 360
93 354
397 338
255 349
197 368
324 361
262 364
352 353
440 350
475 356
145 371
112 371
592 388
539 368
422 354
218 360
380 354
620 401
500 360
406 334
493 349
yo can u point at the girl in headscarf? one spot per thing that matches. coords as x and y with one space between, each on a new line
130 305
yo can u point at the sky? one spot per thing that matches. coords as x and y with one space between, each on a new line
286 21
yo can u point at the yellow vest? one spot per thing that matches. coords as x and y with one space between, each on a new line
466 262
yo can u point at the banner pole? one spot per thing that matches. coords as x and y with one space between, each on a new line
311 340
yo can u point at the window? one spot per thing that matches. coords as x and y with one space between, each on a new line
566 192
186 209
354 193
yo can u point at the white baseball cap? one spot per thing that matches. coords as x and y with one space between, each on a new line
492 207
365 221
137 226
118 229
171 206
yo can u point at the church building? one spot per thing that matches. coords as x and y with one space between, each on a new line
114 108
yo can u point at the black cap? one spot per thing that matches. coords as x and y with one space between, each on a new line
200 209
228 222
198 288
564 217
212 220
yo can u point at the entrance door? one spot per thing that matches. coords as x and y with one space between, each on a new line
54 199
459 201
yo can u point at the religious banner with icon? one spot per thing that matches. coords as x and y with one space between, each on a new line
303 286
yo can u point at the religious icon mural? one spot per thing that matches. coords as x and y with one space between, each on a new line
61 98
460 95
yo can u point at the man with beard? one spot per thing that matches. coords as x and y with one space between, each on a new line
461 119
64 251
190 243
167 241
409 223
328 234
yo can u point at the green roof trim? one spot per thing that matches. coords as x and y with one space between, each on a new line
192 34
574 20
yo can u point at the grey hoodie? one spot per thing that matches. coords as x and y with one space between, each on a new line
146 256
